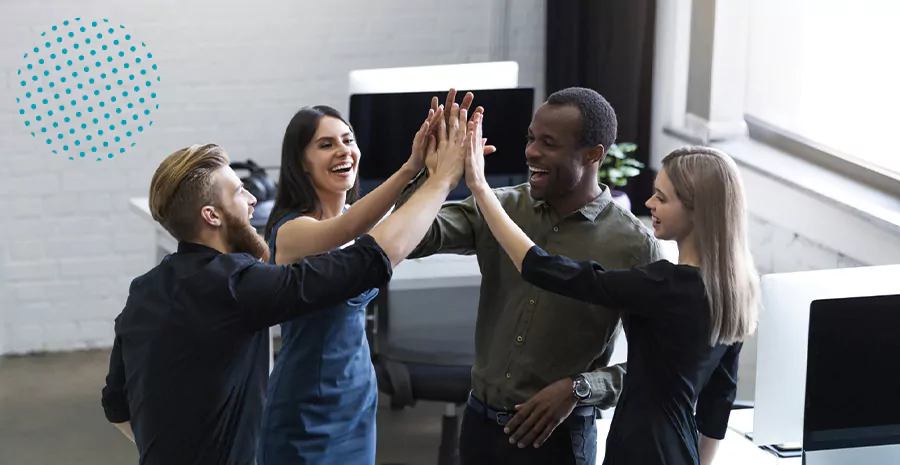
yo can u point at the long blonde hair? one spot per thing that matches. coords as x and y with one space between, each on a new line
708 184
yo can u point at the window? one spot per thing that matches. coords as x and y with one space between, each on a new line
827 71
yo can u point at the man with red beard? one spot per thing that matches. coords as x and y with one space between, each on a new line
189 364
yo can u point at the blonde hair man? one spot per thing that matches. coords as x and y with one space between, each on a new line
188 369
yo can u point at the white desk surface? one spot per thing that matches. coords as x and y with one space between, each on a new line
735 449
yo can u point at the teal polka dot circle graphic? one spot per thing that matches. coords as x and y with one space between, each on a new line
75 76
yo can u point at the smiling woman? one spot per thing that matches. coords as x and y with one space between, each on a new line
323 392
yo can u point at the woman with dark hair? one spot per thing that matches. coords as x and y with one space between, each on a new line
322 392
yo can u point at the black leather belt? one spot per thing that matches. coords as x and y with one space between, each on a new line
502 417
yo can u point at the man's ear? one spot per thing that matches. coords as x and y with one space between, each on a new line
594 155
211 216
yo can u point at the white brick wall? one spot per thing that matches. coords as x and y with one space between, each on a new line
233 72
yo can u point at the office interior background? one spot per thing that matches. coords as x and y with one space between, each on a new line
803 94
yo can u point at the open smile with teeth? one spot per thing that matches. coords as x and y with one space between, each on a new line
343 168
537 173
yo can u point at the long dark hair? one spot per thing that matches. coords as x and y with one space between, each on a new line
295 192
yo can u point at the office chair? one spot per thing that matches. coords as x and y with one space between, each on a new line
430 361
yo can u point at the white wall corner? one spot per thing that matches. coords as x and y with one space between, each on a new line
714 131
670 74
716 61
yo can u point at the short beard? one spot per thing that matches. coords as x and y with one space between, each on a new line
241 237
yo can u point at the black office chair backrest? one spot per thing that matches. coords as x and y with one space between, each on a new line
257 182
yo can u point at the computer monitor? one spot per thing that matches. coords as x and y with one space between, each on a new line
385 124
485 75
782 341
852 408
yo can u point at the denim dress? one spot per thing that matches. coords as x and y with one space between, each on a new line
322 393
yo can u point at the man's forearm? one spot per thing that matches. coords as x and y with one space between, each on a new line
125 428
417 181
606 385
399 234
452 231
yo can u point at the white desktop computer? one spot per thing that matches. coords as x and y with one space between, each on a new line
487 75
783 338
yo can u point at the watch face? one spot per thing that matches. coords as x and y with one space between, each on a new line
582 389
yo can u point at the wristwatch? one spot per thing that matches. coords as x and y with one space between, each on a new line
581 388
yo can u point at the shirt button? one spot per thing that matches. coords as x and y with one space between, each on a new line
556 229
531 301
519 338
508 375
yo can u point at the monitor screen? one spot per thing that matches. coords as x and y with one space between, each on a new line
384 125
783 338
852 376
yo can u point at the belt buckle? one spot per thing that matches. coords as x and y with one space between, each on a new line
503 418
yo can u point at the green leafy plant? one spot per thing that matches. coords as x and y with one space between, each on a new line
618 167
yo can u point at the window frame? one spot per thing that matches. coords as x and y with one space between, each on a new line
833 160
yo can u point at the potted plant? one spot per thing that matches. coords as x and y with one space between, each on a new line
617 168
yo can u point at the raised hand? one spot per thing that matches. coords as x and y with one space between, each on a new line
449 154
417 158
466 103
475 152
451 100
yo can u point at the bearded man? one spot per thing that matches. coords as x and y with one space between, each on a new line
189 364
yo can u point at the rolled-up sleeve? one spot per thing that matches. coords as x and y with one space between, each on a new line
454 229
606 385
717 397
113 399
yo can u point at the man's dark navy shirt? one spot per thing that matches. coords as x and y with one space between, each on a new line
190 360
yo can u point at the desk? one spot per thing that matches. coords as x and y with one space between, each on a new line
735 449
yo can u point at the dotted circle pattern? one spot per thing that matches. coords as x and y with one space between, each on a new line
87 89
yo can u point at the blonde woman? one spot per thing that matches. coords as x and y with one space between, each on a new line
685 322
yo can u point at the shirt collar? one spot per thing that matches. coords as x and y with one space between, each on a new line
593 208
193 247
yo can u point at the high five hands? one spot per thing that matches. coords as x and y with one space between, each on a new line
434 126
423 142
475 152
446 153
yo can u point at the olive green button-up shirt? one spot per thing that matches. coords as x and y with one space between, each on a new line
527 338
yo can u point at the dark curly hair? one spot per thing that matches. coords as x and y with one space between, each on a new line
598 119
